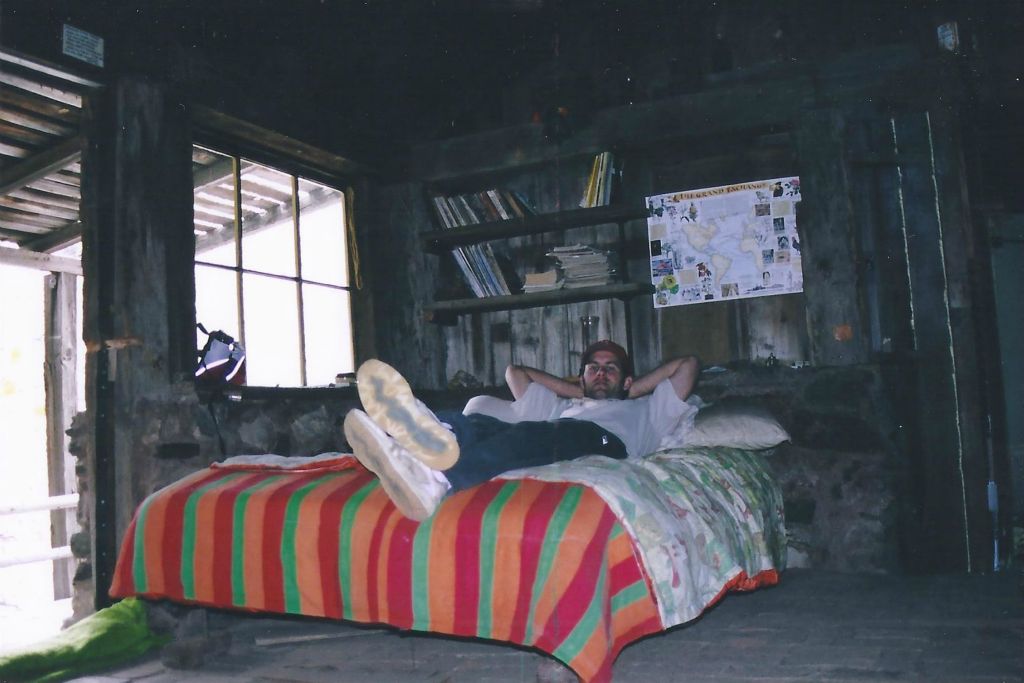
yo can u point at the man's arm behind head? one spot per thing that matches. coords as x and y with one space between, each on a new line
682 372
519 378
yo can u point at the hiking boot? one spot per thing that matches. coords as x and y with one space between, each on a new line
414 488
388 400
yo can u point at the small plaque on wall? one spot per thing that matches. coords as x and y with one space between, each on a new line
728 242
82 45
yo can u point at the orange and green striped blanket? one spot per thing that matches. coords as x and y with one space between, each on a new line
542 564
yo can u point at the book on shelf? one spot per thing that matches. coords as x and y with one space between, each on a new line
486 273
494 282
463 259
542 282
484 206
513 204
495 198
598 191
523 203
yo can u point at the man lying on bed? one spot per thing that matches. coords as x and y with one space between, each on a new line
420 457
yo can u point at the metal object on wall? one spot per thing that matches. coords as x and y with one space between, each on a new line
588 330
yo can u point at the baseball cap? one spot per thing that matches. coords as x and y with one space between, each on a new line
612 347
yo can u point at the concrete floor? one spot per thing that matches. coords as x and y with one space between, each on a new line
814 626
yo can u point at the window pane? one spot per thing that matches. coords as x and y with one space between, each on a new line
328 333
216 301
271 331
213 206
322 233
268 230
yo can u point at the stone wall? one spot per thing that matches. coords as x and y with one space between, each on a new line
180 433
841 472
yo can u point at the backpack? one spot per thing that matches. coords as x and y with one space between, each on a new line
221 360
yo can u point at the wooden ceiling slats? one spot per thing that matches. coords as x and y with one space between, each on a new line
37 86
39 209
40 145
57 239
35 123
32 194
20 134
48 69
54 187
19 228
219 171
67 178
23 257
39 165
44 223
53 112
14 151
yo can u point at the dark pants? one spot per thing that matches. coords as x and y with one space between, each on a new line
489 447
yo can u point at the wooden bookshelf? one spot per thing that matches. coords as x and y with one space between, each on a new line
440 241
447 311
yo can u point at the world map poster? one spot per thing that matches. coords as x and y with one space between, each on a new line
728 242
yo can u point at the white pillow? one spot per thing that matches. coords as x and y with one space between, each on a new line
492 406
736 426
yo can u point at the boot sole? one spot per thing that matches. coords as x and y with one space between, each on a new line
389 401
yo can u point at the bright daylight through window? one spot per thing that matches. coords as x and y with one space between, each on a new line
271 269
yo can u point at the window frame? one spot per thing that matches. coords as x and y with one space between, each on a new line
297 170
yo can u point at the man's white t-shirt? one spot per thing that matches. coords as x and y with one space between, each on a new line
640 423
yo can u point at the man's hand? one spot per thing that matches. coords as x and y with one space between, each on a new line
519 377
682 372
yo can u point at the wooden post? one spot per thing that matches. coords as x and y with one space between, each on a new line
61 316
958 235
836 331
137 256
953 472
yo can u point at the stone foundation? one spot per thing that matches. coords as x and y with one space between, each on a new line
841 510
841 471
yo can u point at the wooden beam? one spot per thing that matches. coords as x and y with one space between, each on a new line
224 126
40 261
54 240
683 118
37 88
837 332
50 69
439 241
41 165
441 311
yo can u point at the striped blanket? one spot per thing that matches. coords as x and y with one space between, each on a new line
548 564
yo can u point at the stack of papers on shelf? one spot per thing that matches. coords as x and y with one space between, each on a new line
583 266
542 282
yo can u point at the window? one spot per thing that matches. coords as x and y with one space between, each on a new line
271 268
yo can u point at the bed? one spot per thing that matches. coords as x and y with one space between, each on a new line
576 559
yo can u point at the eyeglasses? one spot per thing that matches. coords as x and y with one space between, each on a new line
608 368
